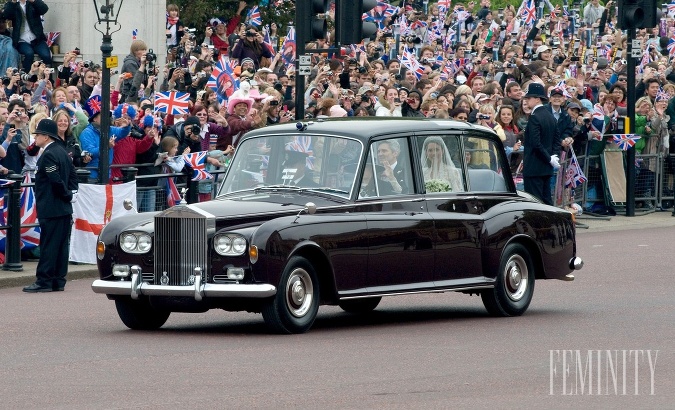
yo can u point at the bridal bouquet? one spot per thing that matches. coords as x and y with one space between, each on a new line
437 185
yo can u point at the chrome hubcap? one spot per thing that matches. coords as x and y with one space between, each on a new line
516 278
299 292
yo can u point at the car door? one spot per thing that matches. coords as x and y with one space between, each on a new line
453 209
400 230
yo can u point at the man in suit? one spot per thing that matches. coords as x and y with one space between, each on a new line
541 142
563 119
393 175
28 36
295 165
55 191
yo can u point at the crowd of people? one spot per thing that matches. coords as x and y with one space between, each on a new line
470 63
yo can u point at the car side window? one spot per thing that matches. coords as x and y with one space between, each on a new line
483 166
441 173
388 169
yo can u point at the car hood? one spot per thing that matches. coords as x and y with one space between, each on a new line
261 203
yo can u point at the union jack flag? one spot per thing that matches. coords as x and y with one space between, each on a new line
288 47
222 80
417 24
528 12
410 62
574 175
197 161
172 194
94 104
461 14
434 31
134 34
30 237
662 95
51 37
625 141
253 17
671 9
172 102
267 40
598 120
443 6
671 46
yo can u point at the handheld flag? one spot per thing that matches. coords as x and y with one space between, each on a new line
172 102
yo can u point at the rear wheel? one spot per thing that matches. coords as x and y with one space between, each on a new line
294 307
140 315
364 305
514 286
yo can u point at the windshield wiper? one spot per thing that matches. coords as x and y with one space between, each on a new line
327 189
277 187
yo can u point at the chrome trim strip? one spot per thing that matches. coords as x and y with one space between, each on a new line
440 290
208 290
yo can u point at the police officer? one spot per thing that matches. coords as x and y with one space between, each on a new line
55 191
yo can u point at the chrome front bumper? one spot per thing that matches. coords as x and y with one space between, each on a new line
137 288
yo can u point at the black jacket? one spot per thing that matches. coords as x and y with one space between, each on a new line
55 179
565 126
34 10
540 141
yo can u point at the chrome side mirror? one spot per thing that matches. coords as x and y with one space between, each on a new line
310 209
129 206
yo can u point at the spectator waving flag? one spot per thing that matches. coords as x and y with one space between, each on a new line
172 102
574 175
625 141
253 17
197 161
223 80
443 7
51 37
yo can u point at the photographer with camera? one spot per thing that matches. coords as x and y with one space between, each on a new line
132 62
250 45
15 136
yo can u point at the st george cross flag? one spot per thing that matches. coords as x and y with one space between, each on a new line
625 141
253 17
30 237
197 161
574 175
91 214
172 102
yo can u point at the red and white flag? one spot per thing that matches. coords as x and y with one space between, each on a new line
91 214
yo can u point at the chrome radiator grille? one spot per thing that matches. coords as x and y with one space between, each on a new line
181 244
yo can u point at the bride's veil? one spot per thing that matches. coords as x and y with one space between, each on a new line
435 167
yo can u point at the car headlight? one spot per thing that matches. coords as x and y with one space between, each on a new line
229 244
136 243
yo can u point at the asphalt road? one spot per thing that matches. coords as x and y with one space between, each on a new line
68 350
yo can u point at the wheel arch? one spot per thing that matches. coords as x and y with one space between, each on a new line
535 253
322 266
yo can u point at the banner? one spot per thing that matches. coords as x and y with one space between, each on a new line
96 206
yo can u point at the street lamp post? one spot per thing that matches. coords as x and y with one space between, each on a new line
397 39
107 11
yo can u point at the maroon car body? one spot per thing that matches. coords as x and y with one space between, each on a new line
265 245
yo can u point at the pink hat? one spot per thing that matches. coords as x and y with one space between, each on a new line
337 111
233 101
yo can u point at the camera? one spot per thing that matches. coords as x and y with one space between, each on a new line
574 58
510 65
250 33
201 75
483 116
76 51
150 56
6 81
48 70
274 103
278 86
587 120
84 153
362 70
28 77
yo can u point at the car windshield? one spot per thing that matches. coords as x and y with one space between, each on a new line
295 162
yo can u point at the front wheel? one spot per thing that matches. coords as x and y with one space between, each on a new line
294 307
514 286
140 315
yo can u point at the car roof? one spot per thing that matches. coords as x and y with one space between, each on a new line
364 128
